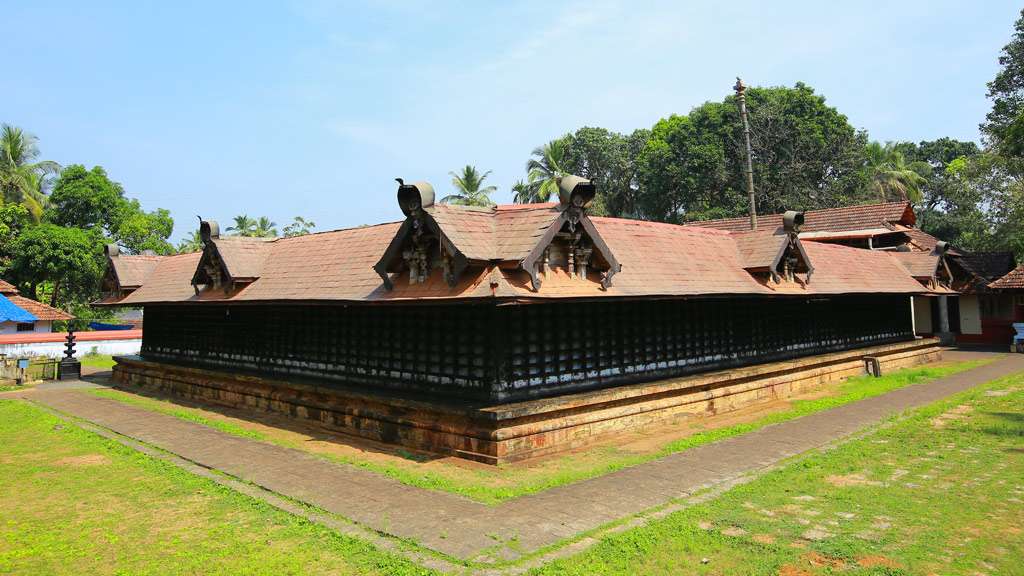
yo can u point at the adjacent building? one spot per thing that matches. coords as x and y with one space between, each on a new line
21 315
960 304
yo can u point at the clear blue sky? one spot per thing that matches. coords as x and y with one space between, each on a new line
312 108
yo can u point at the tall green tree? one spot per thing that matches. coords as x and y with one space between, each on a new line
265 228
609 160
23 179
191 243
806 155
68 260
1004 124
521 192
890 176
90 200
243 226
299 227
13 219
470 189
947 209
545 169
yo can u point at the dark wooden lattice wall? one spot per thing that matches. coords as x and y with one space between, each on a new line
504 352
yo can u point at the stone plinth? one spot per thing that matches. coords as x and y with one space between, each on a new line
505 432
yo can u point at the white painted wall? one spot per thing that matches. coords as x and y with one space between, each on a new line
923 315
970 314
12 327
56 349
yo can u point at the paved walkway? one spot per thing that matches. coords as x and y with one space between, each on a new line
468 530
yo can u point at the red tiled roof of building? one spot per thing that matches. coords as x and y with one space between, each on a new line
7 288
243 256
1012 281
862 217
165 282
132 270
760 248
918 264
657 260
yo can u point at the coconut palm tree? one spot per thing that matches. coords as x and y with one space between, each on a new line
470 189
521 192
23 180
544 171
890 175
265 228
243 226
191 243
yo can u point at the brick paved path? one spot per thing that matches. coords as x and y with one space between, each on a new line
465 529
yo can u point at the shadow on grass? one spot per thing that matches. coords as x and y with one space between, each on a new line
1008 424
313 431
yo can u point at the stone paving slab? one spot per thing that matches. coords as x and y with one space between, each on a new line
466 530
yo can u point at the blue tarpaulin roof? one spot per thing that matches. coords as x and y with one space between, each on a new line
11 313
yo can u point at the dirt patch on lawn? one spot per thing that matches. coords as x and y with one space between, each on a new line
83 460
790 570
873 561
958 413
821 560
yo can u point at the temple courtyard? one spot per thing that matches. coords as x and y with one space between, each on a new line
852 478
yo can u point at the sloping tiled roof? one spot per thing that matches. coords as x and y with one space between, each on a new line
165 282
1012 281
243 257
657 260
863 217
7 288
918 264
132 270
470 229
759 248
989 266
519 227
39 310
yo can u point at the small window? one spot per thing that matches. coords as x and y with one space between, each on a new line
26 326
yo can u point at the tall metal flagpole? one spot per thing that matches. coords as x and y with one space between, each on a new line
742 98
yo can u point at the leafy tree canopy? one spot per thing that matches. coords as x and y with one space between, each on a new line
68 259
90 200
806 155
1004 124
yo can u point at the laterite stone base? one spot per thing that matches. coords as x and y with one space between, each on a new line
516 431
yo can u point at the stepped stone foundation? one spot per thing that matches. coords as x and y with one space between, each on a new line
495 432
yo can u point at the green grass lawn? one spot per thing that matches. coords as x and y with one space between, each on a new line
72 502
493 484
98 361
939 492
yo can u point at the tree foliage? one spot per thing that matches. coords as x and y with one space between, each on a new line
889 175
23 180
90 200
1004 124
470 189
805 154
69 259
299 227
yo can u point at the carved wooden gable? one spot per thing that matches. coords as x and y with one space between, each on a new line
572 242
420 246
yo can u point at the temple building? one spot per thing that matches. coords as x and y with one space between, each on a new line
508 332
